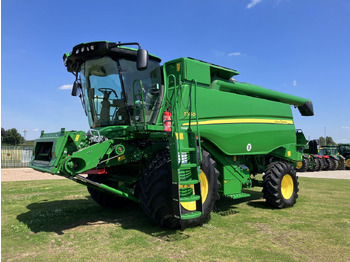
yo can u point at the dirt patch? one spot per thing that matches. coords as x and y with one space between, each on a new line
335 174
24 174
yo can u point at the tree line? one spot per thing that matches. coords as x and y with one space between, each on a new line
11 137
328 141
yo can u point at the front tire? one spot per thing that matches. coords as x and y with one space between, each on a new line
156 192
280 185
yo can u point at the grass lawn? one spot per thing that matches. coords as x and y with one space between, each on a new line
56 220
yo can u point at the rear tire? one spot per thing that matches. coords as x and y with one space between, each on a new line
280 185
347 163
341 163
304 165
335 163
316 164
322 163
327 163
332 164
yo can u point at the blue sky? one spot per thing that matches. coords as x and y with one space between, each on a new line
293 46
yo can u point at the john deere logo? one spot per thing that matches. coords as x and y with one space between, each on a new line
249 147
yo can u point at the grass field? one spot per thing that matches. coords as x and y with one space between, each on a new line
57 221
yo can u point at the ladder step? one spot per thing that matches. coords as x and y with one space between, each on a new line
189 182
190 198
187 166
191 215
188 149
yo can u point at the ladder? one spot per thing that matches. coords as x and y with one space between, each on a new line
185 156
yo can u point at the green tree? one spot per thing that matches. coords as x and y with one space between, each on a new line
322 141
328 141
13 137
3 134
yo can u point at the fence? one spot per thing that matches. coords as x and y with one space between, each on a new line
15 156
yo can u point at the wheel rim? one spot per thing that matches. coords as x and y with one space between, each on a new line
287 186
299 165
191 206
347 162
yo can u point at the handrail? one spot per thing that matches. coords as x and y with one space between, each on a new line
142 102
196 115
175 122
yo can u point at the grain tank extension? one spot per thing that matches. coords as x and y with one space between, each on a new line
173 137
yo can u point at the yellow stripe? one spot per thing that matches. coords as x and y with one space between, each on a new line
244 121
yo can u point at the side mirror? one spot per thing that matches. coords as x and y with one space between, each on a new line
142 59
75 88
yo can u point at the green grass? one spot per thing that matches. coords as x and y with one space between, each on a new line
58 221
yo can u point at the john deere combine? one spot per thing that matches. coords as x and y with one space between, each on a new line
173 137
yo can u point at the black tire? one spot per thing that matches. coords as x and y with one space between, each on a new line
347 163
280 185
323 163
318 164
332 164
315 164
327 164
341 162
304 165
105 199
155 192
335 163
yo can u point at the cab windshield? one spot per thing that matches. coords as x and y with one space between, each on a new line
114 92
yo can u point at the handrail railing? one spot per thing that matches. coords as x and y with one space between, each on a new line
196 115
142 102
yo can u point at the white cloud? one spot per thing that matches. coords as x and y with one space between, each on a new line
36 129
253 3
295 83
66 87
234 54
345 127
218 53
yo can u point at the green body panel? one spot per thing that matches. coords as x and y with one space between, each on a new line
237 124
234 175
87 158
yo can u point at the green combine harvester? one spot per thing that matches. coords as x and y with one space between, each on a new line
173 137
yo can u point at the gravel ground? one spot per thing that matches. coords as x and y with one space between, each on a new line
27 174
24 174
336 174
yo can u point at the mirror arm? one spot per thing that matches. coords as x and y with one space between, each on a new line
133 43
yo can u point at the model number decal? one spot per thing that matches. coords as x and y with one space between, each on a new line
190 113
